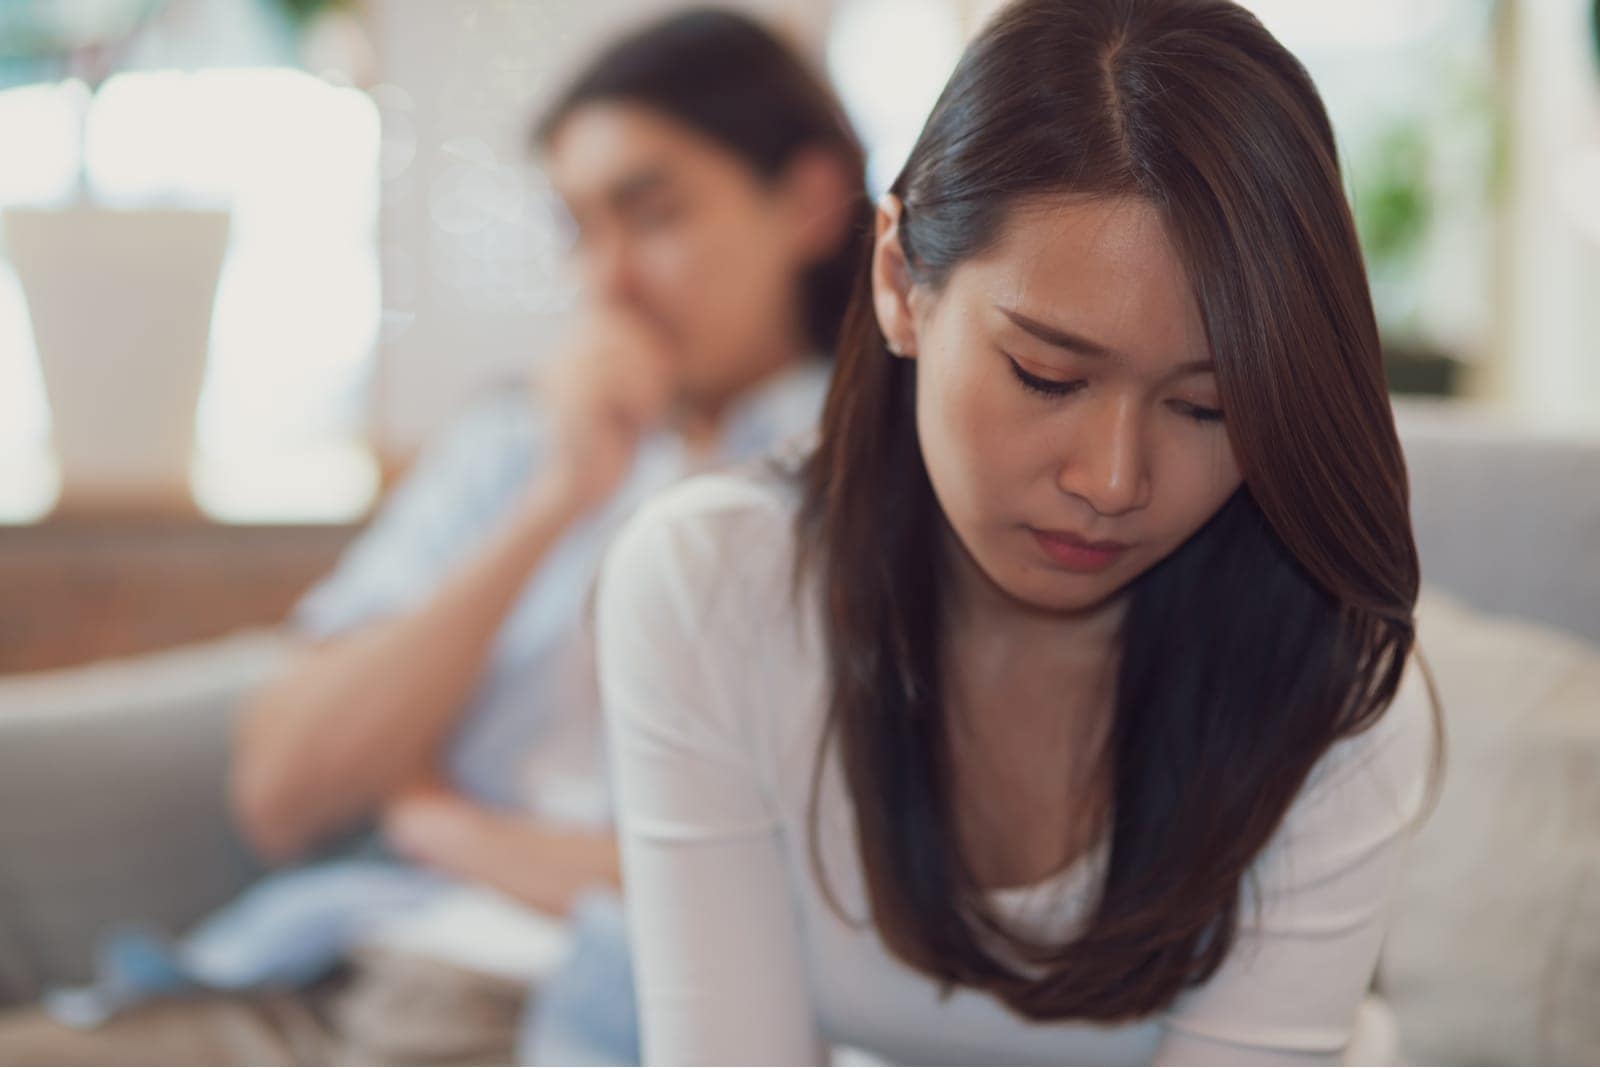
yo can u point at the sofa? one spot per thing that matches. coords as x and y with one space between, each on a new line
112 776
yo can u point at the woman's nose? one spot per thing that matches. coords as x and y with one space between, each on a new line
1106 461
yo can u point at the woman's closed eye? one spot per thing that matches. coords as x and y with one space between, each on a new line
1055 387
1198 412
1049 387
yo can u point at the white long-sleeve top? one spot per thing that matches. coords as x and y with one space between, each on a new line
714 681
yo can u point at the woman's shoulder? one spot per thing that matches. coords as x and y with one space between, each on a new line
703 514
714 538
759 491
694 610
1396 752
1370 788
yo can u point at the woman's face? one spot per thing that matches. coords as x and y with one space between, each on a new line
679 229
1064 395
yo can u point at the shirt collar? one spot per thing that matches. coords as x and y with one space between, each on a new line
785 404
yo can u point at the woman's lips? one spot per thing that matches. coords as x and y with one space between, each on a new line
1078 554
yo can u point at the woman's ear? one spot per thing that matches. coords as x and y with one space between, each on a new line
891 281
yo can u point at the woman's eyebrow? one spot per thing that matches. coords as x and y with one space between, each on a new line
1055 335
1066 339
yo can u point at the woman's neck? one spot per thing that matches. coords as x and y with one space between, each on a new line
1031 700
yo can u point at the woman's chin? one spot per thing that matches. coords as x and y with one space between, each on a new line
1043 588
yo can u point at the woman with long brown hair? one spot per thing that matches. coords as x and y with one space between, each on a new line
1050 706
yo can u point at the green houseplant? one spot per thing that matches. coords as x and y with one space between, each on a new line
1394 210
1425 160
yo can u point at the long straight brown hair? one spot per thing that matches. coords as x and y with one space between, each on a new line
1279 628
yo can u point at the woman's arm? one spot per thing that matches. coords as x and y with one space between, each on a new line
718 963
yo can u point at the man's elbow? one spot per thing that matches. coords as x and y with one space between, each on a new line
265 813
266 797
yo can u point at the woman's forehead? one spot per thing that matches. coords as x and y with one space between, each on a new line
1101 269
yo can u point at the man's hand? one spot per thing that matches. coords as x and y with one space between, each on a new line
541 866
614 382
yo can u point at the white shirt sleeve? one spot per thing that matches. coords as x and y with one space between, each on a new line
717 955
1290 990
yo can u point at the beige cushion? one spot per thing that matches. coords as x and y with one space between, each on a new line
1493 952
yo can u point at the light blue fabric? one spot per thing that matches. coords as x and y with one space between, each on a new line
295 925
287 930
586 1013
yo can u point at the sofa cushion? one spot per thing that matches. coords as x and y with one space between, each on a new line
1493 950
112 801
1507 514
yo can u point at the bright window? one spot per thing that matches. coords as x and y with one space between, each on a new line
294 329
